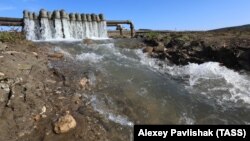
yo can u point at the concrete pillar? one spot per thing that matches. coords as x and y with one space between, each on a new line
78 17
93 17
89 19
101 17
43 13
56 14
63 14
84 17
25 14
30 15
72 17
98 18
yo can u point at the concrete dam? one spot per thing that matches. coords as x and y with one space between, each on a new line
61 25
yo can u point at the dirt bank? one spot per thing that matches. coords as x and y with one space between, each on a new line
33 96
230 48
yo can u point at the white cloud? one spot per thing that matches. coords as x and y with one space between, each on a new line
5 8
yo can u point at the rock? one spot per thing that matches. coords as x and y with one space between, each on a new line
37 117
5 87
2 74
176 42
244 59
4 92
50 81
151 42
84 82
148 50
35 54
64 124
159 49
24 67
195 43
88 41
2 46
56 55
43 110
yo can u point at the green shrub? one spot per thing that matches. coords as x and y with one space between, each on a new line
152 35
11 36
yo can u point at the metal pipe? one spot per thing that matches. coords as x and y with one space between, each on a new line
6 19
116 22
3 23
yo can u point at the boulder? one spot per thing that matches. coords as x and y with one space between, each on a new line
84 83
195 43
159 49
65 124
88 41
151 42
56 55
244 59
148 50
176 42
2 74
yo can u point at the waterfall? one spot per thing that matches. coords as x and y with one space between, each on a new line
66 28
30 29
103 29
58 29
87 29
79 30
37 30
95 29
46 32
84 30
61 25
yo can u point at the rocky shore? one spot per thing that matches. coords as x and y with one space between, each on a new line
42 91
39 102
231 49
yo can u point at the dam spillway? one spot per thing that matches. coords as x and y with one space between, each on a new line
61 25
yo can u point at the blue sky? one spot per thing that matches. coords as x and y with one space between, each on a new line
150 14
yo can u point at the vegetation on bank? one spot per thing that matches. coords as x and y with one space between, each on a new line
11 36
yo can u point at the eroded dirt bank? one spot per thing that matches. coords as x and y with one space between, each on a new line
33 96
230 48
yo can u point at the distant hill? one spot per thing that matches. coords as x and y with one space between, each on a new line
242 27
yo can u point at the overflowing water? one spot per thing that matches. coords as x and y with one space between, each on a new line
54 29
131 88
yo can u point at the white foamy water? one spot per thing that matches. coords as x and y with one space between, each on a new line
31 31
89 57
235 86
46 32
103 29
131 88
58 29
87 29
66 28
101 108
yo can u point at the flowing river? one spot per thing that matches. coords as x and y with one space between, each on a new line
131 88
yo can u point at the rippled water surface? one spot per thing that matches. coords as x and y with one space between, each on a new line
135 89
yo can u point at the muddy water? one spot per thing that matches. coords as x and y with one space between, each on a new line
130 88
